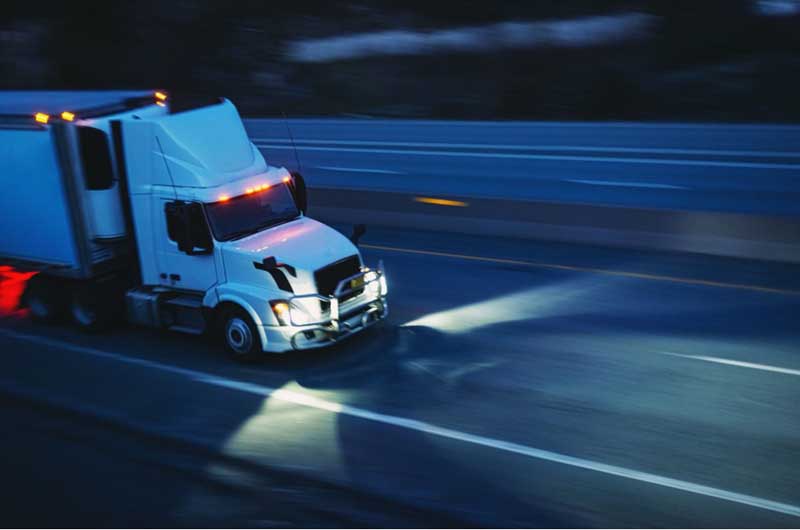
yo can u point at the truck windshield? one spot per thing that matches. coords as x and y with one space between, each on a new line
248 214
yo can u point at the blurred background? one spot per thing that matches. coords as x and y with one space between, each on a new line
675 60
592 324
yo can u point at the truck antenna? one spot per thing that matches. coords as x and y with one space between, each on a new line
291 137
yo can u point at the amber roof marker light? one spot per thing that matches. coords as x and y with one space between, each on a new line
67 116
161 98
41 117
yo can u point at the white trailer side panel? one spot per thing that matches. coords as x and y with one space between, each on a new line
34 219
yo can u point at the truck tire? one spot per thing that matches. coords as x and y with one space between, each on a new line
44 298
86 309
96 304
239 335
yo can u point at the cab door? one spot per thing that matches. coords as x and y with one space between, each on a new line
184 246
165 256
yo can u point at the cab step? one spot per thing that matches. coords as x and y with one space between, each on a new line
191 330
187 301
158 307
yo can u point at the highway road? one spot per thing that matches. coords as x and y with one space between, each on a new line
728 168
514 384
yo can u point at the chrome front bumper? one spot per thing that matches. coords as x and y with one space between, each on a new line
357 303
333 331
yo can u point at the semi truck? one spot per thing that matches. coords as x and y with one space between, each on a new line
158 209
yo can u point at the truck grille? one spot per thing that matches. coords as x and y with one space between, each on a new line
328 277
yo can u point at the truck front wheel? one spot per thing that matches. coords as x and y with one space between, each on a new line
240 335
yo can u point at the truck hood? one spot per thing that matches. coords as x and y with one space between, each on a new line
305 244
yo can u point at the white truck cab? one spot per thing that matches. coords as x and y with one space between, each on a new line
175 200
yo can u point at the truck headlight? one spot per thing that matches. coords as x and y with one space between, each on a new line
294 313
371 283
374 288
375 283
280 308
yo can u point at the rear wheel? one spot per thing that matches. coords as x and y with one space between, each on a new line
240 335
44 298
85 309
94 305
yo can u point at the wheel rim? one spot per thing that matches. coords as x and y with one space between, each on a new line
82 314
38 307
238 335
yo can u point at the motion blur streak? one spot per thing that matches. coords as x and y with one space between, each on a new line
637 275
427 428
519 147
505 35
441 202
12 285
748 169
565 158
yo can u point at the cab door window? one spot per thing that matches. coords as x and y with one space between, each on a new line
187 226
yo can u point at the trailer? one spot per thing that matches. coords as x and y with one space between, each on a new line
160 211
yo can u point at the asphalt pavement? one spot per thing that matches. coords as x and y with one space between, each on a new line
694 167
514 384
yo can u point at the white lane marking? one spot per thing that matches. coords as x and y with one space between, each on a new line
626 184
519 147
526 125
359 170
731 362
606 159
306 400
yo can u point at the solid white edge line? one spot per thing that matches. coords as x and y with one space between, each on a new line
732 362
359 170
606 159
419 426
518 147
622 184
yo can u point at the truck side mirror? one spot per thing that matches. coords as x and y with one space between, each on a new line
298 188
358 231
